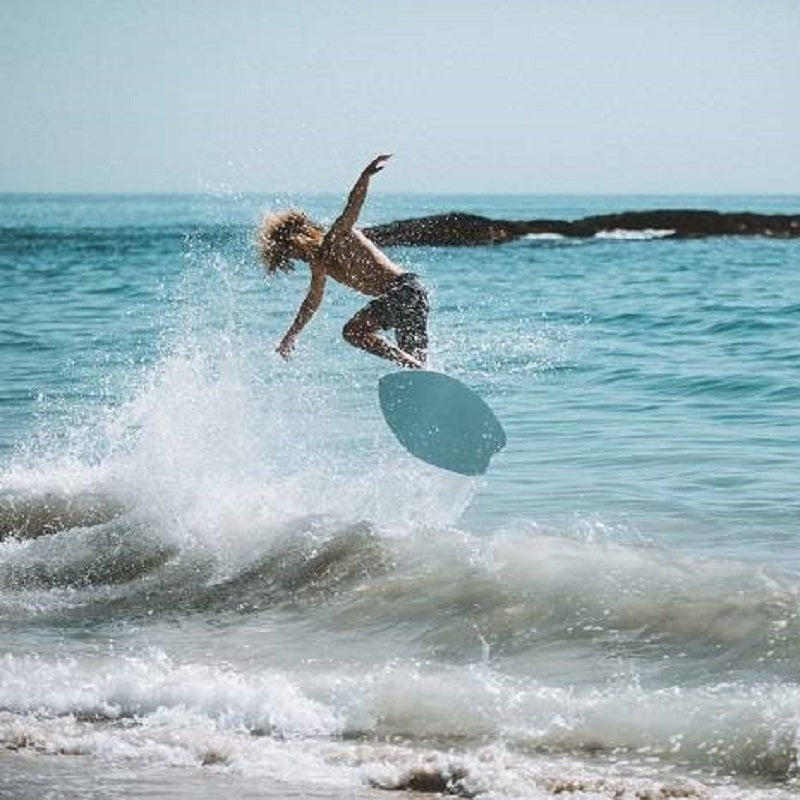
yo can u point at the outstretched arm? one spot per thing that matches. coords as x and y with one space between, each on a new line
347 219
307 310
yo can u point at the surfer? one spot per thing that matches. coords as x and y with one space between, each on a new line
345 254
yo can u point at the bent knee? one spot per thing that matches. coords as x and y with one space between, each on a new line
352 331
358 328
355 332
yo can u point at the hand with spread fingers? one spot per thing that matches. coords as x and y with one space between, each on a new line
377 164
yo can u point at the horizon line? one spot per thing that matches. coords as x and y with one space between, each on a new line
376 193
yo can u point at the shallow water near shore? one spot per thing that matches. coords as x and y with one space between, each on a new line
220 573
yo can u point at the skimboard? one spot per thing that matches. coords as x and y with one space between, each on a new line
440 420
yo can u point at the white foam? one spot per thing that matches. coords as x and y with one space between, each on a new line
544 237
635 235
139 687
149 709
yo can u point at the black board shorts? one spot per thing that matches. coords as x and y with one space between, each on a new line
404 309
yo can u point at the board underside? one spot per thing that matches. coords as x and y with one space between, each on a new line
440 420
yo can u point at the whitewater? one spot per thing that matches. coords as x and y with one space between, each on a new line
220 573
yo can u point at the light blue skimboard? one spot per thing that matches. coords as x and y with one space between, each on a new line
440 421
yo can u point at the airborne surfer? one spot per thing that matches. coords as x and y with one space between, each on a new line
345 254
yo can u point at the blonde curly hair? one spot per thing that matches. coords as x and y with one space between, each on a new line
279 232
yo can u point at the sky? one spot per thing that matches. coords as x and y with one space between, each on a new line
499 96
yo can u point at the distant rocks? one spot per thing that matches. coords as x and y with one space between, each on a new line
457 229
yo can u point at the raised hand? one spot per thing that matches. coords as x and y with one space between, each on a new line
377 164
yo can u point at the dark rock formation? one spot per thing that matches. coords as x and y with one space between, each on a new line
458 229
453 229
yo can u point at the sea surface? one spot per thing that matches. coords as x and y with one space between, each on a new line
220 575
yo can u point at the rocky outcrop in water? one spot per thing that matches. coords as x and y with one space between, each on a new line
459 229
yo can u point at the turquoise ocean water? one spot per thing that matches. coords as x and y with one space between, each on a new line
220 573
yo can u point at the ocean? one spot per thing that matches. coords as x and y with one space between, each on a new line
221 575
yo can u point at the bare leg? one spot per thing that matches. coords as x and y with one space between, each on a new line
362 331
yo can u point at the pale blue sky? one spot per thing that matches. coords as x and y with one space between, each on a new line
647 96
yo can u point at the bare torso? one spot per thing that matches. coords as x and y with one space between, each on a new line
352 259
